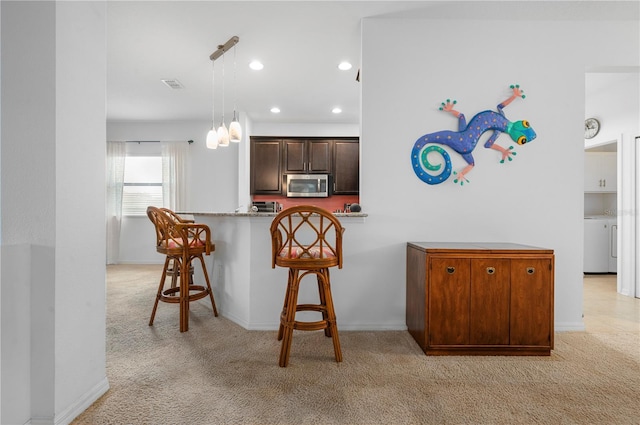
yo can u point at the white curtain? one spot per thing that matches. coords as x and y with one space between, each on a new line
174 175
116 154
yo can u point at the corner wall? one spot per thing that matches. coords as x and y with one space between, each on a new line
53 227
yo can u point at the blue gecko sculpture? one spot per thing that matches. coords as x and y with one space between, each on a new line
466 138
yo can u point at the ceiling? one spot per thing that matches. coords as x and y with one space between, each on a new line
299 42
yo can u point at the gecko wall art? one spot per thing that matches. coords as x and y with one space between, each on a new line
465 140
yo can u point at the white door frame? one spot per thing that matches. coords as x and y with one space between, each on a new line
627 206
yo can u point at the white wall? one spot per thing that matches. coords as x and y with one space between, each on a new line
305 130
410 66
27 210
80 327
53 234
615 104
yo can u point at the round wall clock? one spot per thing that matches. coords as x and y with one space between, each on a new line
591 128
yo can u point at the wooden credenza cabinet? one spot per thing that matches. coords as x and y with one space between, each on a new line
480 298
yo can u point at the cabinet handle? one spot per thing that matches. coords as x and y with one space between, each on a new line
531 270
491 270
451 270
604 182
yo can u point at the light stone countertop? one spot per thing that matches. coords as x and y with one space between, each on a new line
260 214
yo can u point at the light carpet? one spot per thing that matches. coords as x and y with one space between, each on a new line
220 373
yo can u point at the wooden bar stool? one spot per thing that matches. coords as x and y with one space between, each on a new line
173 267
181 241
308 241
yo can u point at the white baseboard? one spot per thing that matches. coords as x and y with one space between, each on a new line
70 413
570 326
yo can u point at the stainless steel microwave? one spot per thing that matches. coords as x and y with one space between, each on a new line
307 185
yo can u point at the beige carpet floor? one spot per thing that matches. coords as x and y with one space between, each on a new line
220 373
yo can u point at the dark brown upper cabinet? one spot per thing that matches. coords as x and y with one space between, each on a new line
266 169
272 158
307 156
346 167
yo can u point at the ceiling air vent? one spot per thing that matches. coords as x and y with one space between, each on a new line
173 84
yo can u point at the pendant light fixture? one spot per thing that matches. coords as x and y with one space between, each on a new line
212 135
221 137
235 130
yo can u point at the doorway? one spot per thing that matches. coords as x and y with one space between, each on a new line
611 96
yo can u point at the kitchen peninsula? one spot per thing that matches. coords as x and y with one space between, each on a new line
247 290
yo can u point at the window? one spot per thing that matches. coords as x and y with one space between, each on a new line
142 184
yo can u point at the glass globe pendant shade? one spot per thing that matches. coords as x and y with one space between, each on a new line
235 130
212 139
223 135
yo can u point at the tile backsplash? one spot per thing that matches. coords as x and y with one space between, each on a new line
331 203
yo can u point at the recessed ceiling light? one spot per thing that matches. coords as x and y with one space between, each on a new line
336 110
344 66
275 110
256 65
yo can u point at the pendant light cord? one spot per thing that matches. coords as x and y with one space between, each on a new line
223 66
213 95
235 86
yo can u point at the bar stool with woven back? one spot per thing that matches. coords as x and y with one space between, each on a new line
308 241
181 241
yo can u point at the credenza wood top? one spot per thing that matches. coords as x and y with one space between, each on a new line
486 247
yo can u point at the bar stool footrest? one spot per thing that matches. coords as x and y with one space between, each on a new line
311 326
172 295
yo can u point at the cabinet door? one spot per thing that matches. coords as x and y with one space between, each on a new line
449 301
295 156
531 302
319 156
489 309
307 156
609 171
600 172
266 174
592 179
346 167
